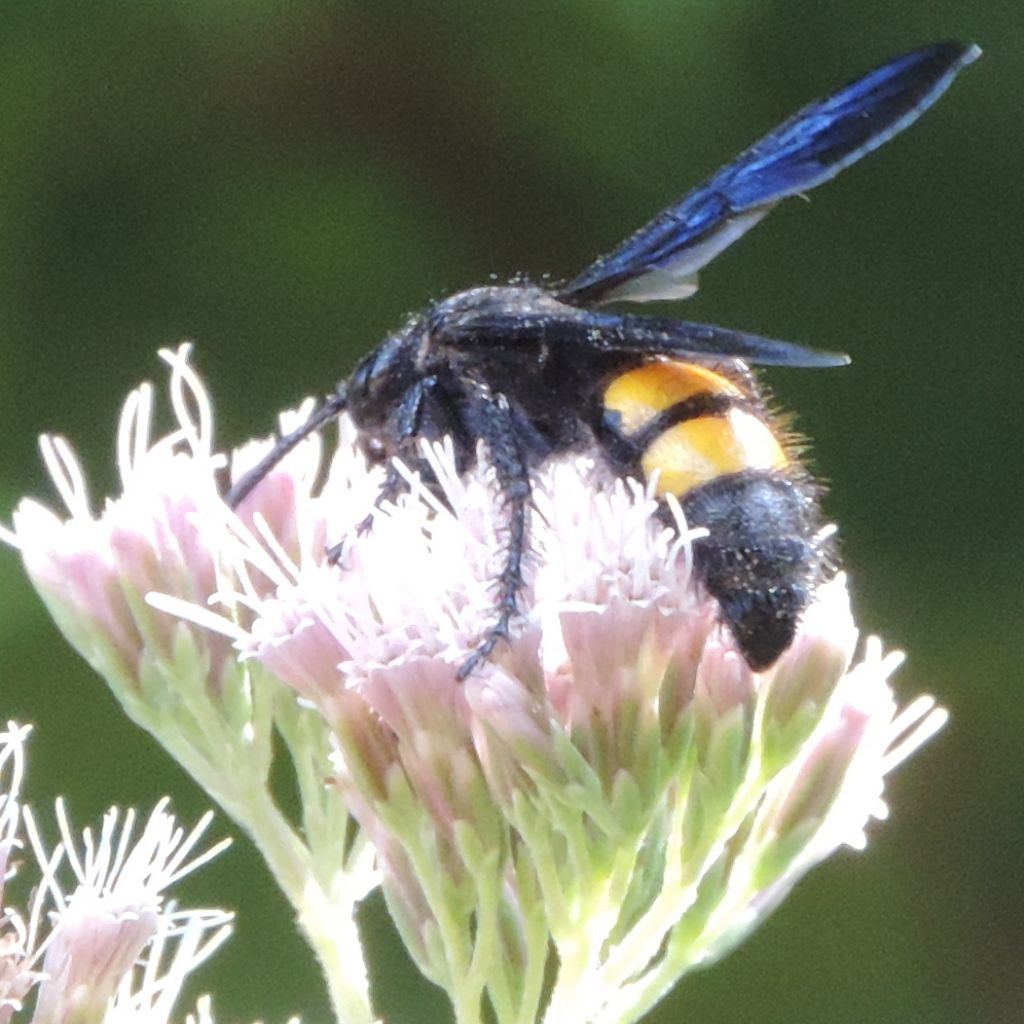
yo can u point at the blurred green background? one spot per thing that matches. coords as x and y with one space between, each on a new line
284 181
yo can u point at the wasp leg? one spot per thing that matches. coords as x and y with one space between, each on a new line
332 407
407 428
502 441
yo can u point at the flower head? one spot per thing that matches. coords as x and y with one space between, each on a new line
169 532
615 782
99 935
17 962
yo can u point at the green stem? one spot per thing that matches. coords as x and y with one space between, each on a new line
327 922
326 919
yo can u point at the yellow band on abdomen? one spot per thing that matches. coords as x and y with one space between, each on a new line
697 451
639 395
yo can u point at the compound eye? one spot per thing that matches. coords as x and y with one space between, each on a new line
363 374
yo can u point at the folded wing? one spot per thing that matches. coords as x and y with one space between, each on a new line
644 335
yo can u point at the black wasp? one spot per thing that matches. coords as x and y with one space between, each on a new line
533 372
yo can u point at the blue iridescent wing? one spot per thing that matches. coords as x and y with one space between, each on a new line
661 260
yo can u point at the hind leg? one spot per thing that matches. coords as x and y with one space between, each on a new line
498 429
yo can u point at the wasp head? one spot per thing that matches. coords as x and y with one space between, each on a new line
382 377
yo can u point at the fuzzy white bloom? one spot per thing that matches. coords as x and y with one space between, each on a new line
18 933
169 532
615 783
99 941
115 910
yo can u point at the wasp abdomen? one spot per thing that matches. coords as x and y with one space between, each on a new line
761 559
710 442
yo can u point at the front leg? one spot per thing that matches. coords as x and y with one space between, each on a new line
492 416
406 431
